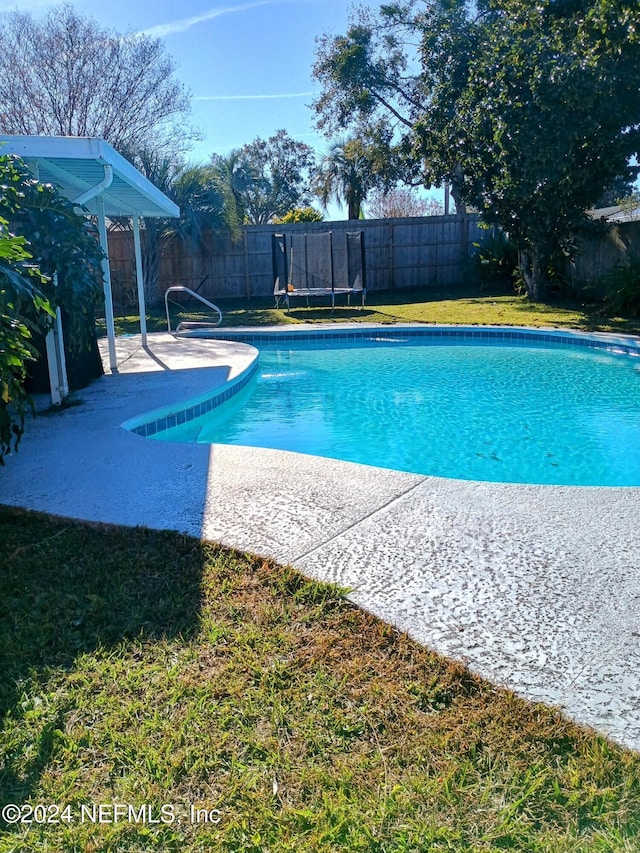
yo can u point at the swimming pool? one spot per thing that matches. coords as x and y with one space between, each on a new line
527 409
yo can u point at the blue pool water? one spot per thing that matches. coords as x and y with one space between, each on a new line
520 414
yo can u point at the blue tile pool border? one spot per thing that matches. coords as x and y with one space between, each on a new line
190 410
604 341
183 413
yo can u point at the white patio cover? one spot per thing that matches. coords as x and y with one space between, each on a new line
91 173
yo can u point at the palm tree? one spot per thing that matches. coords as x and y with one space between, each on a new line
197 192
202 197
346 175
233 179
161 169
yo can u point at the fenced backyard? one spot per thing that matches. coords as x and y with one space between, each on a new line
429 252
598 256
399 253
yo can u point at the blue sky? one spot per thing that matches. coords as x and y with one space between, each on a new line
247 63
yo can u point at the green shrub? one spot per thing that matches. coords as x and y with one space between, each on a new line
37 222
495 261
24 309
623 289
300 214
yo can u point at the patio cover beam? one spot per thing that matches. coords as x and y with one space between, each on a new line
140 280
90 172
106 281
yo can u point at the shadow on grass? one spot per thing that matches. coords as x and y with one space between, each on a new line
341 314
107 588
596 318
409 295
590 317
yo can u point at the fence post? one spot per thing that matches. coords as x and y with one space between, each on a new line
465 234
247 285
392 272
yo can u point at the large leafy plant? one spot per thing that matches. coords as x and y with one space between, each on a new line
23 308
65 243
42 240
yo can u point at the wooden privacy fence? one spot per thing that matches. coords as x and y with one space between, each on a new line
425 251
597 257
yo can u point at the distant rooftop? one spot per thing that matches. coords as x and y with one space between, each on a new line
615 214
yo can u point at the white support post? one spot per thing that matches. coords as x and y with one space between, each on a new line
140 279
56 359
106 275
52 362
62 359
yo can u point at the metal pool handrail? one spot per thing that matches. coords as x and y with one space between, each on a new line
188 323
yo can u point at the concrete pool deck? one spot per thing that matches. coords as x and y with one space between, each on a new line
537 588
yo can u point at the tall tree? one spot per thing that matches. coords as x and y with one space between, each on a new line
66 75
268 177
202 203
233 176
530 110
346 174
375 85
201 195
548 118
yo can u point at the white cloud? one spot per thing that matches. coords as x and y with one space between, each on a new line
253 97
163 30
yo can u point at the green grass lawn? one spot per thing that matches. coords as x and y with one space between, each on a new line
458 306
148 668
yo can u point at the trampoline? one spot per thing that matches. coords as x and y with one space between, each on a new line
318 264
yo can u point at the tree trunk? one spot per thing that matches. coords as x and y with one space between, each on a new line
454 187
534 266
461 208
354 204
